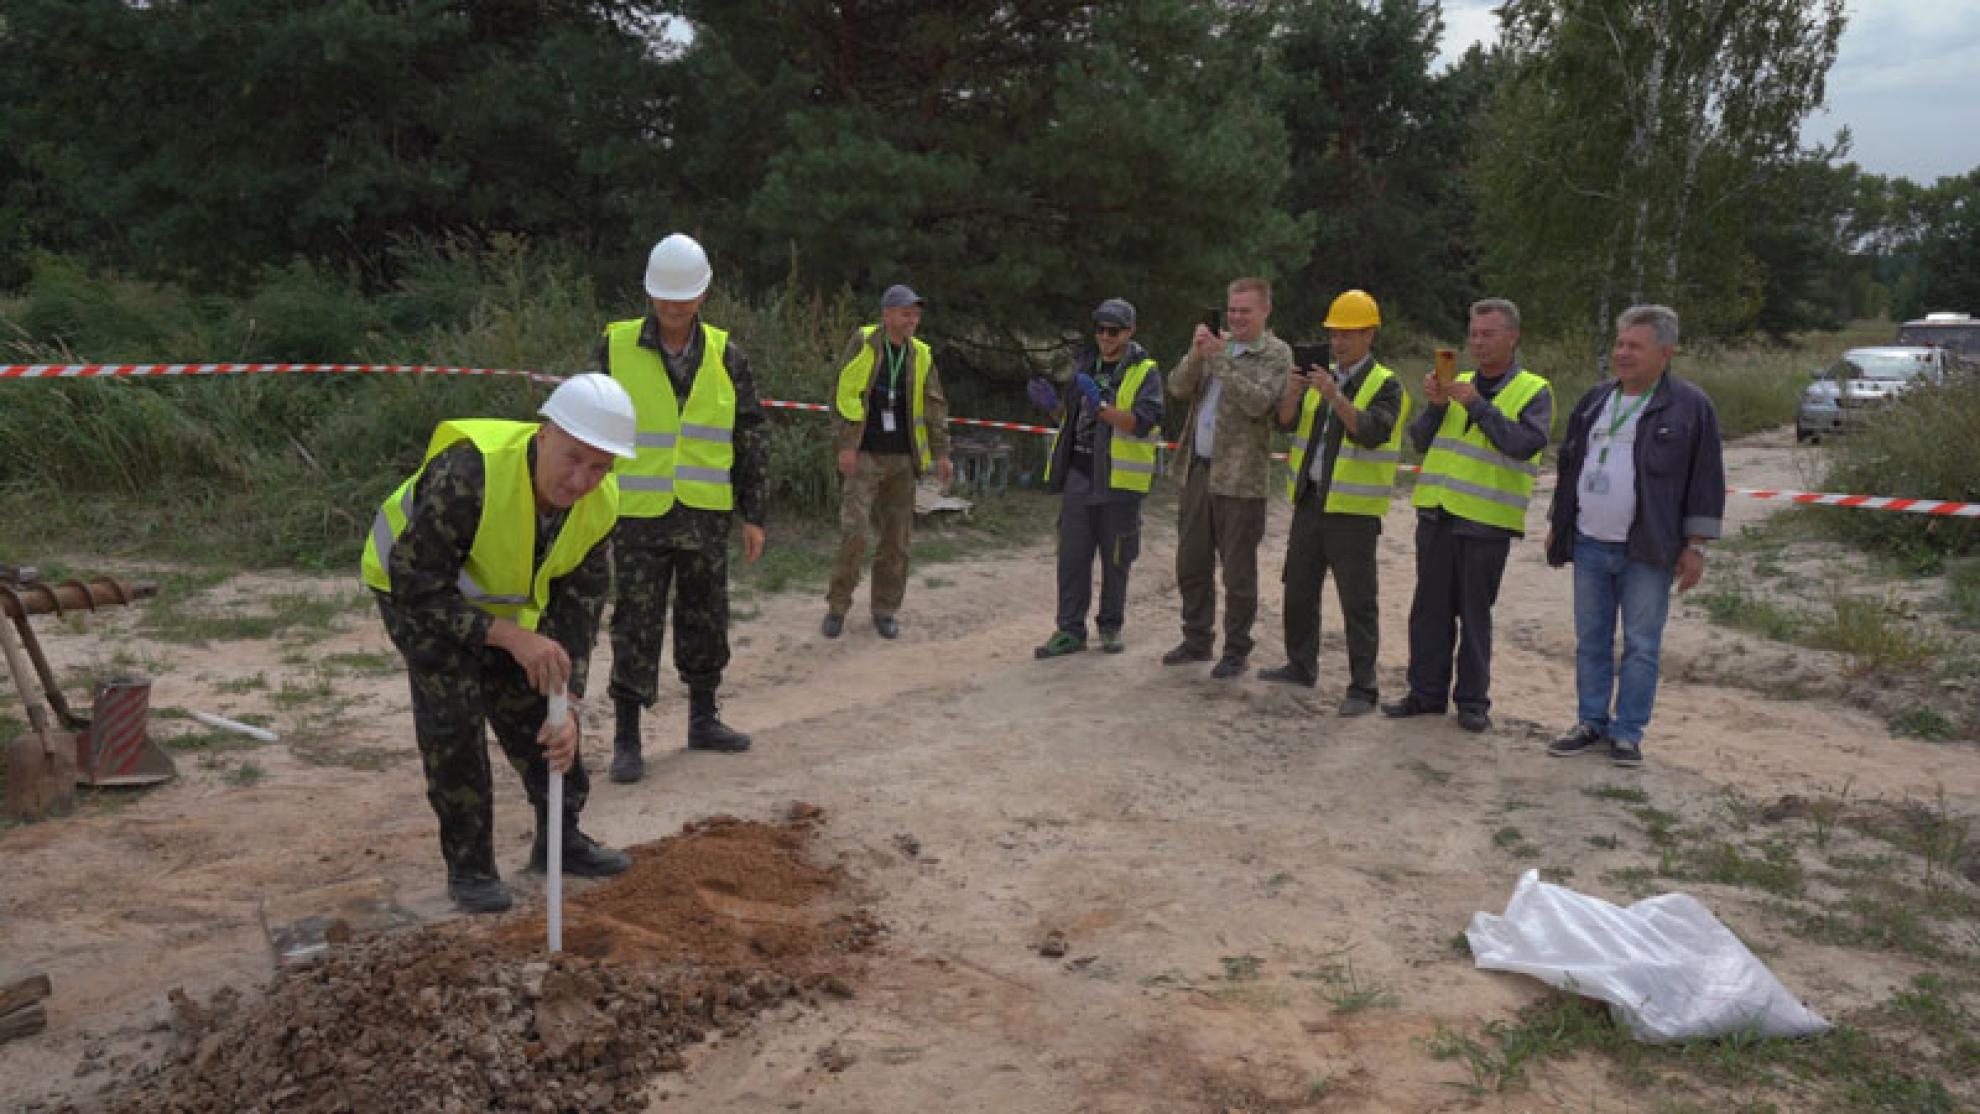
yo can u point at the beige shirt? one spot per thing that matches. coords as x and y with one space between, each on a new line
1251 383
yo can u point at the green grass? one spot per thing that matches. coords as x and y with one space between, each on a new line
1629 794
1924 723
198 622
1733 605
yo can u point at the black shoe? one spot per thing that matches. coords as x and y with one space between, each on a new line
1228 667
1287 674
832 626
1411 705
583 856
1627 755
1183 655
1474 721
627 765
887 626
1581 740
706 731
1356 705
479 893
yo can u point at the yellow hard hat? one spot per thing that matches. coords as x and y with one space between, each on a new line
1353 310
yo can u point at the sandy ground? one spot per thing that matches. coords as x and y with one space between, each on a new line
1164 822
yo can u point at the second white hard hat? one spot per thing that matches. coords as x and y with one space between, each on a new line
597 411
677 270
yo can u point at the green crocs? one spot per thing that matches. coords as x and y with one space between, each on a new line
1110 641
1060 644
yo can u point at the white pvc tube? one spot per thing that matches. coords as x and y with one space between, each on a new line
553 820
225 724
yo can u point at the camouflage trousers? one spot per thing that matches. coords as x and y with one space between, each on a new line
650 561
454 692
880 492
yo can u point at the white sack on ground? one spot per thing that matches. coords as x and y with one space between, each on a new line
1666 966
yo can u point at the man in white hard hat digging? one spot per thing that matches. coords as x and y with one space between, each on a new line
700 464
490 568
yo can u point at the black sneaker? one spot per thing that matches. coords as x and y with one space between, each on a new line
1578 741
1228 667
583 856
1474 721
1183 655
833 625
1355 705
1287 674
1625 754
1411 705
886 626
479 893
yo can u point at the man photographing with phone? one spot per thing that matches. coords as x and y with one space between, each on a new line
1231 380
1346 421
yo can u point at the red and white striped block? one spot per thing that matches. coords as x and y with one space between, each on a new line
95 371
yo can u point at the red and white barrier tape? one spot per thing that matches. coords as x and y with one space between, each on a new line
1937 507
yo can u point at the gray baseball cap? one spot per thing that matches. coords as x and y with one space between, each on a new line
1115 311
898 296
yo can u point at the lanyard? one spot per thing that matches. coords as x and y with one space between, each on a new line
1621 419
1104 377
895 360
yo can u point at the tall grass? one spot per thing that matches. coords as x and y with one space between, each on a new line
1926 446
285 470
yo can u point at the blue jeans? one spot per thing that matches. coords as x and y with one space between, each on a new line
1605 582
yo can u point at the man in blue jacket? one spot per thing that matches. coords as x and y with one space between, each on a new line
1642 489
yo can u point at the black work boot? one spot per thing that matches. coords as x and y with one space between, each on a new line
584 857
627 765
478 893
706 731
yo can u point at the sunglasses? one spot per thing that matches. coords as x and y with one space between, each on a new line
1110 330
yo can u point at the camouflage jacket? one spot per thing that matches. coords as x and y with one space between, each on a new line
426 562
1241 463
935 405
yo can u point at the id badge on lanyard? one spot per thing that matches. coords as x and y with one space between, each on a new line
887 421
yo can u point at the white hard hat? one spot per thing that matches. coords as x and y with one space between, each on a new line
677 270
597 411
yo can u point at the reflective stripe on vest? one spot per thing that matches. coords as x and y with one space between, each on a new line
1363 480
1465 476
684 455
1128 461
856 378
497 577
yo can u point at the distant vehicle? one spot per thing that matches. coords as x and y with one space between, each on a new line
1845 394
1957 332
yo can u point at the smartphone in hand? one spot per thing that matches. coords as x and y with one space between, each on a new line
1446 366
1306 356
1213 319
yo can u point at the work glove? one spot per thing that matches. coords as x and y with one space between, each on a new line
1040 391
1088 387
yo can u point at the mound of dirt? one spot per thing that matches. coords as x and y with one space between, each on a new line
708 928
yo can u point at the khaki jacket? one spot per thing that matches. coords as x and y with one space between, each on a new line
934 405
1241 462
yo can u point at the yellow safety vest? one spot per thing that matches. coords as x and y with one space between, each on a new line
857 377
1130 459
1363 480
683 454
1469 478
497 577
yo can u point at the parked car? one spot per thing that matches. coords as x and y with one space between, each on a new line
1847 393
1958 333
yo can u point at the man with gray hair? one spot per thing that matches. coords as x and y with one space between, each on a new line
1481 436
1642 489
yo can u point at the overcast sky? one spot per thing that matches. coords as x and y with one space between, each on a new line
1906 82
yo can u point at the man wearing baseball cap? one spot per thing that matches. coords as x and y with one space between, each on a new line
490 567
890 427
701 464
1102 463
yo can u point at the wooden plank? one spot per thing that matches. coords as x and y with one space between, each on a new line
21 989
23 1022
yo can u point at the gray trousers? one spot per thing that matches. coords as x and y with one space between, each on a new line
1111 531
1343 544
1213 530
